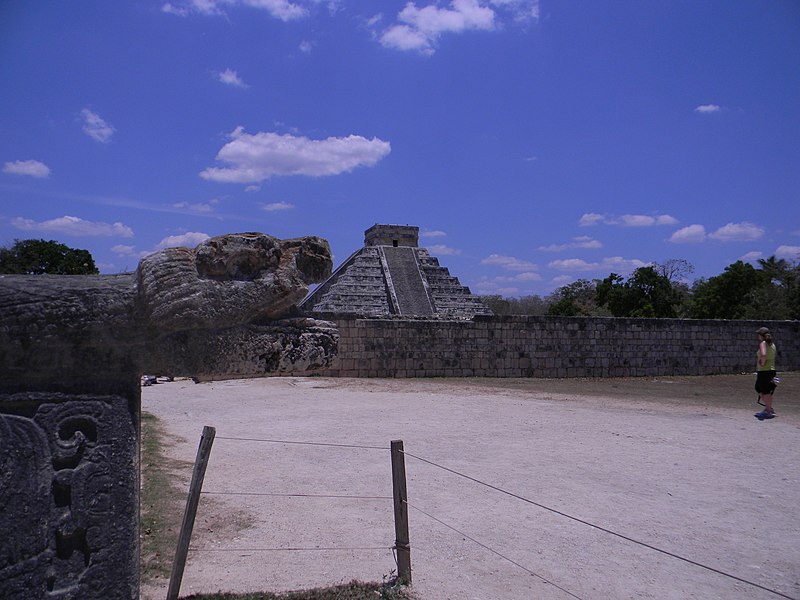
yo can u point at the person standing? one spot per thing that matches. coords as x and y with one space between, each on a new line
765 373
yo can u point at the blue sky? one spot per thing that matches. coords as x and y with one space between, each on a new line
533 142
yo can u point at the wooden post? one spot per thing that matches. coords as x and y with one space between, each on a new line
203 453
401 544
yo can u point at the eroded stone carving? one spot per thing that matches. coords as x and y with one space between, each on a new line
71 352
68 497
232 294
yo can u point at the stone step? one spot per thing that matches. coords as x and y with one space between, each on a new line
406 280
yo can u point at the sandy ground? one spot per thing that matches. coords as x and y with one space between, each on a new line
676 463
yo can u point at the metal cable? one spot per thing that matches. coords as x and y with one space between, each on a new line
603 529
298 495
238 439
492 550
314 549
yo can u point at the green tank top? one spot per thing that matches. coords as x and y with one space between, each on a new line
769 365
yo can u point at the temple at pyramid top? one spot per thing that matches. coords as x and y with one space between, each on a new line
392 275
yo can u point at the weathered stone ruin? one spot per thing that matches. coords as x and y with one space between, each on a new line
392 275
72 350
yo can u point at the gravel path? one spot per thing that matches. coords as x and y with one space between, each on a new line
676 463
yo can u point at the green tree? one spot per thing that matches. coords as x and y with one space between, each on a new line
524 305
532 305
779 294
675 269
645 294
497 304
37 257
728 295
574 299
611 293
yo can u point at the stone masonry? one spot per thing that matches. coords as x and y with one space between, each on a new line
518 346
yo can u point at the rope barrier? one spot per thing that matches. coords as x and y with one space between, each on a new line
238 439
298 495
492 550
603 529
473 479
310 549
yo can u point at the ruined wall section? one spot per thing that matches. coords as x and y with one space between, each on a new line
520 346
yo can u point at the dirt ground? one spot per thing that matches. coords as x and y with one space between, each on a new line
679 464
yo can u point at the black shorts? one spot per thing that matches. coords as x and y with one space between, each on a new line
764 383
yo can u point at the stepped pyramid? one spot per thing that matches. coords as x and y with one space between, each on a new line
392 275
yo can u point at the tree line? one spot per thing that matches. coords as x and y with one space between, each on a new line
768 291
42 257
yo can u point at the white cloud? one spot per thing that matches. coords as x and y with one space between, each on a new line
442 250
691 234
562 280
489 287
276 206
231 78
573 264
306 47
186 240
788 252
171 9
420 28
522 10
253 188
520 278
504 284
260 156
642 220
201 207
434 233
637 221
206 7
583 241
123 250
280 9
190 239
752 257
403 37
589 219
31 168
509 263
462 15
613 263
737 232
96 127
527 276
707 109
74 226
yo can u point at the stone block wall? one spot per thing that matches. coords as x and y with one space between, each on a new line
519 346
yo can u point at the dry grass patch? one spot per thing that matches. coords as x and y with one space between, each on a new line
161 502
355 590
